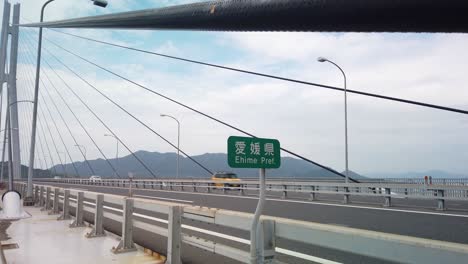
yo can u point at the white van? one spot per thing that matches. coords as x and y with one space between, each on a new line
95 178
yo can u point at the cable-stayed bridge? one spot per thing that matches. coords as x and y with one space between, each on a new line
47 116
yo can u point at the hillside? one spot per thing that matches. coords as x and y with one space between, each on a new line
164 165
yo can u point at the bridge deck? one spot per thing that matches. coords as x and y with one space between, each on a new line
43 239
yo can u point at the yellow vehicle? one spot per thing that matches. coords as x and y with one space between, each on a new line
225 180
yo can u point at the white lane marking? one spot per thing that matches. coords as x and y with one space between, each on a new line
152 218
374 208
301 202
162 198
78 189
304 256
135 214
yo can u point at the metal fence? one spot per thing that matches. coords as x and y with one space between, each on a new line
283 189
438 181
379 245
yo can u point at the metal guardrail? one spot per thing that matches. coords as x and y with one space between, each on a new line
438 181
387 191
379 245
420 180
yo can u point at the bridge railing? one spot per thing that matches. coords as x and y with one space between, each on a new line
438 181
164 219
284 189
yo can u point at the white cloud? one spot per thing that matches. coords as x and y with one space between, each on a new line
384 136
168 48
418 67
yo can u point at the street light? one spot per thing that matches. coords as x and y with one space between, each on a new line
178 140
14 128
101 3
322 59
21 101
64 162
116 152
81 146
84 149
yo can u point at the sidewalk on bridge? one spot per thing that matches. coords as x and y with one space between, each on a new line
43 239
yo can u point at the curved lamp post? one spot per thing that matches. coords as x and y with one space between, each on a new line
101 3
84 150
116 151
322 59
178 141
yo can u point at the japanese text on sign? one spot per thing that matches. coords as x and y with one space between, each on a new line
246 152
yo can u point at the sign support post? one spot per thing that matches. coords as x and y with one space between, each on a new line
254 230
261 153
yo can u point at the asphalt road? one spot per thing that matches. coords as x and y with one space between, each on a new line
407 217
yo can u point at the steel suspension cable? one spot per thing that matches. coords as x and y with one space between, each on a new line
48 129
401 100
23 112
76 117
41 146
112 132
131 115
69 130
65 123
46 168
135 118
41 111
39 135
115 135
25 115
193 109
41 126
42 134
58 131
79 121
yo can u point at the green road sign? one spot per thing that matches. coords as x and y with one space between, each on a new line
247 152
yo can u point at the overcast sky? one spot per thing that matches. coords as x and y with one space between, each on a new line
383 136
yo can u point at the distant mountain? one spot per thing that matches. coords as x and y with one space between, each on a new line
24 171
164 165
353 175
433 173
